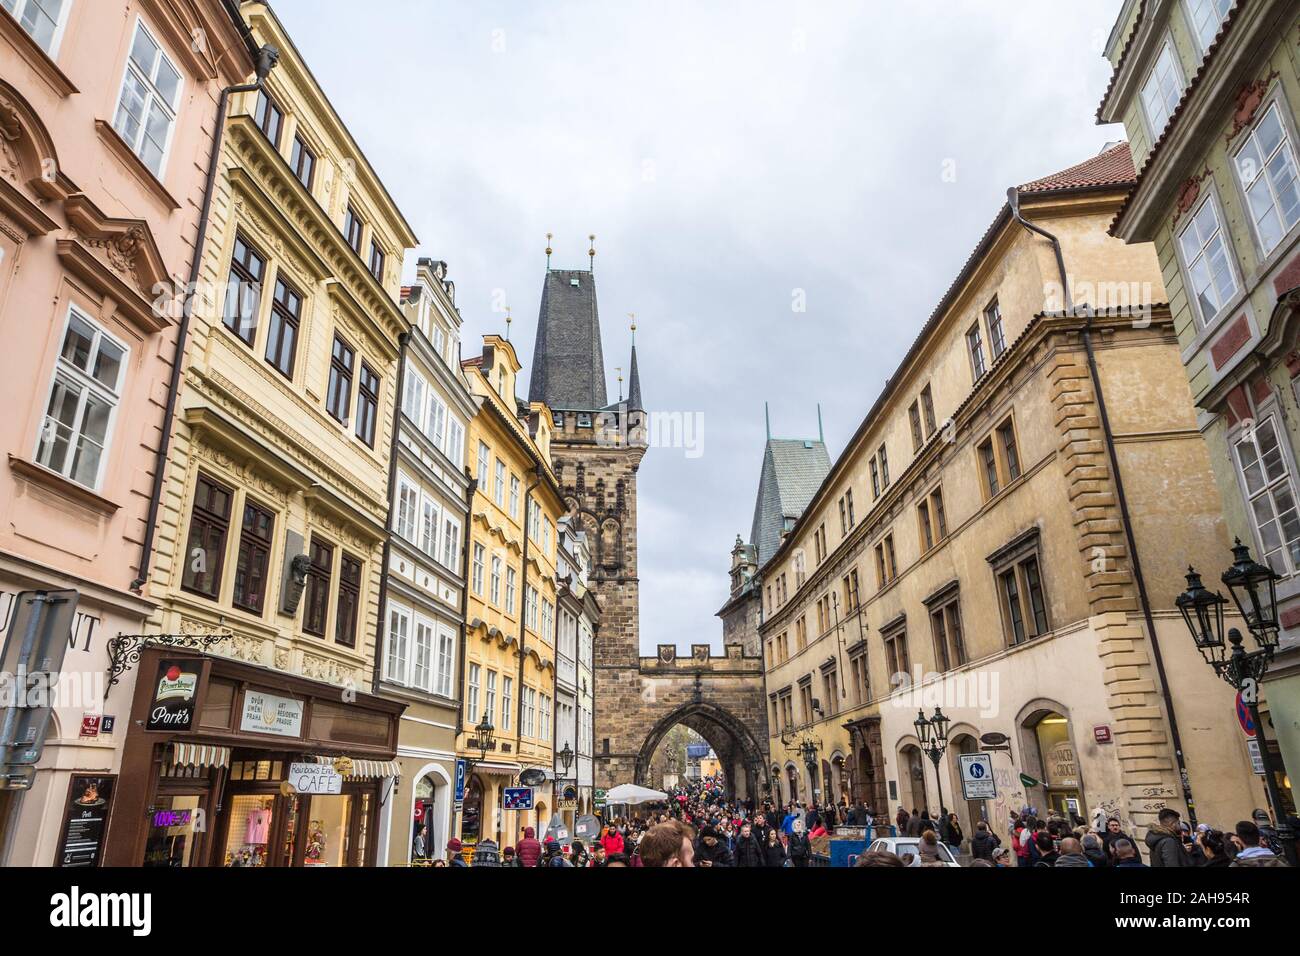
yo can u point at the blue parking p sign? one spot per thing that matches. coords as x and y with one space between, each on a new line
460 781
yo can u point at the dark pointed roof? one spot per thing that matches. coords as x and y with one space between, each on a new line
793 470
634 402
568 363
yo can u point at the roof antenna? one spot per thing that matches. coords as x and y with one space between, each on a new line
767 413
508 321
821 434
548 252
592 252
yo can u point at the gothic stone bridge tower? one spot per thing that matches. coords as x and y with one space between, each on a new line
596 452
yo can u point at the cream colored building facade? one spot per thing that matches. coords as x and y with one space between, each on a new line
968 550
274 512
510 642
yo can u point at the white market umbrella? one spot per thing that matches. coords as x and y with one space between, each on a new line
630 793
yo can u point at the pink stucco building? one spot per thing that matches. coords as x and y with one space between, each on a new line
107 109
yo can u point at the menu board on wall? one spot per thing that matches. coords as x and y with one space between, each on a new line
85 821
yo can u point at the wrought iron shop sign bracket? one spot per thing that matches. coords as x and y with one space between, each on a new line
124 650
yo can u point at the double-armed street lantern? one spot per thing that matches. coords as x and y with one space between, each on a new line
933 734
1253 587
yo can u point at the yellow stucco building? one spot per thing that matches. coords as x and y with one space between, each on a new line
274 510
996 543
510 668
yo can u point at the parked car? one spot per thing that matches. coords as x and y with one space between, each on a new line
911 845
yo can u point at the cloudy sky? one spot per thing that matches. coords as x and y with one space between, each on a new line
732 158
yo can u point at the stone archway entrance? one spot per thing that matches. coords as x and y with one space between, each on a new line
739 753
720 697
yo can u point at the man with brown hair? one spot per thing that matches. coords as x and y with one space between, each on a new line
667 844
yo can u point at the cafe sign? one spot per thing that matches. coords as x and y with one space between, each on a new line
271 714
315 778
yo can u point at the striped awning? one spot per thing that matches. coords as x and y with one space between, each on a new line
200 755
366 769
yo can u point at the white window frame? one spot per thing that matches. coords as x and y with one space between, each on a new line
511 587
455 449
89 385
171 108
430 521
56 38
1211 198
1166 46
514 497
1269 411
414 390
478 569
1203 43
494 596
1274 102
450 541
422 642
484 459
402 528
507 699
396 669
499 484
446 660
471 692
490 694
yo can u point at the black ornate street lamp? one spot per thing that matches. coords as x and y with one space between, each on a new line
808 751
566 758
933 734
1254 590
482 740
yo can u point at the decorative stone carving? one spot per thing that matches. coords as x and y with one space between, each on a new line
1248 103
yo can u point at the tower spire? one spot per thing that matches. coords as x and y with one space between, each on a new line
592 251
821 433
634 401
549 250
767 414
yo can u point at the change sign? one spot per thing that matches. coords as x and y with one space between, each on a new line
977 777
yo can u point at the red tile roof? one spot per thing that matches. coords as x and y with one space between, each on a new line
1113 167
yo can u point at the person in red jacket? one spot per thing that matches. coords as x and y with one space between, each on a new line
612 841
528 851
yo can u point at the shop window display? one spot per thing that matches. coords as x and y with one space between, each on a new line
172 834
327 833
249 831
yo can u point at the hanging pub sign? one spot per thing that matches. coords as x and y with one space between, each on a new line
85 821
174 694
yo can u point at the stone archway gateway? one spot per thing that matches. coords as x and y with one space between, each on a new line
720 697
739 753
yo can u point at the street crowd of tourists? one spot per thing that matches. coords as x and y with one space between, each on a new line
1053 841
701 824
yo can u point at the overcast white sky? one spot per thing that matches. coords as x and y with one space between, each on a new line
725 154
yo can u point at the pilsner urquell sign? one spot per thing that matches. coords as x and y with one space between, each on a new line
173 698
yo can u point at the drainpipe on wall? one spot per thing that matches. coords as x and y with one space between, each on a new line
1013 199
404 342
523 607
266 59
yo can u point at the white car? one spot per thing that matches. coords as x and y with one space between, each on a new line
911 845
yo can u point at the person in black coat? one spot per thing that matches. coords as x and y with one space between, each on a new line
800 847
984 842
774 851
749 852
710 850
